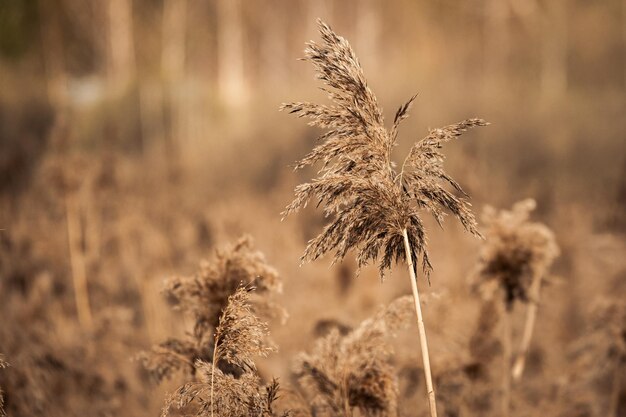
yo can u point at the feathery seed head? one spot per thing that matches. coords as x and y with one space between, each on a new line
354 369
516 250
370 202
206 296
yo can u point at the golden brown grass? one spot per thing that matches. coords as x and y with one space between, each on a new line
353 371
227 335
375 208
204 296
229 385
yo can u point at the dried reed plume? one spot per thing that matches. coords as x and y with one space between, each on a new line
239 337
375 208
353 371
516 252
204 296
515 258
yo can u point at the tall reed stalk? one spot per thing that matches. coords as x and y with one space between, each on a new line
507 353
430 390
78 263
375 209
516 255
529 325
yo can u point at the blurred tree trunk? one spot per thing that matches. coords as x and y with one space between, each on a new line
554 49
319 9
368 34
231 82
624 40
123 97
173 76
120 51
53 53
54 64
274 60
497 39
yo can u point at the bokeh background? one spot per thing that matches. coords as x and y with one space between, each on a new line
136 136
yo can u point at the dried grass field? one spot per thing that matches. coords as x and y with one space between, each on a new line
425 215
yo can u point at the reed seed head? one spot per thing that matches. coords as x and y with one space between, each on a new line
240 336
205 297
369 200
354 370
516 250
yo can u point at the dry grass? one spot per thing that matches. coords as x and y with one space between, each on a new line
516 253
229 385
376 209
371 202
218 355
353 371
92 222
204 296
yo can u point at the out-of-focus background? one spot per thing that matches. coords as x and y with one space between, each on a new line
136 136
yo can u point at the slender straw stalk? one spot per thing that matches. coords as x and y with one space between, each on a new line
77 262
506 358
375 209
422 330
213 361
529 325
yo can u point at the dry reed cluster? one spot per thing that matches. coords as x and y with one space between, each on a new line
514 261
348 372
218 354
358 184
375 207
517 252
204 296
229 385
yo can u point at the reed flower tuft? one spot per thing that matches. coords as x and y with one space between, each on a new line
371 202
204 296
240 336
353 371
375 208
516 251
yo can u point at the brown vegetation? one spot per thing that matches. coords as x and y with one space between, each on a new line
138 137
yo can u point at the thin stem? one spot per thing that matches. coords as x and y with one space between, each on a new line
422 330
77 263
506 357
213 371
529 325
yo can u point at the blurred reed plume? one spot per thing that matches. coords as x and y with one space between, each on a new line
346 372
204 296
229 385
517 253
227 333
515 259
375 207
